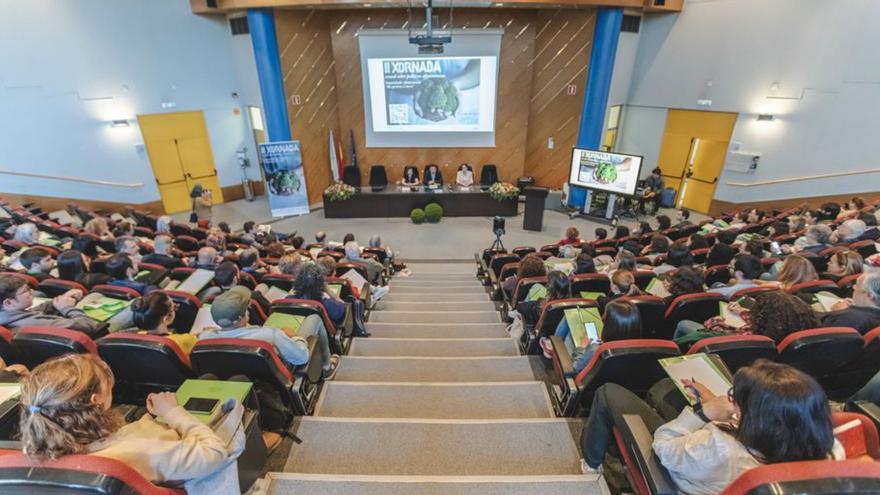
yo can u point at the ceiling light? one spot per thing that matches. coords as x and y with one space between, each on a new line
119 123
766 117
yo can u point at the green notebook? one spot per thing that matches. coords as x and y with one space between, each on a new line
103 308
584 325
536 292
284 320
335 289
698 367
212 389
592 295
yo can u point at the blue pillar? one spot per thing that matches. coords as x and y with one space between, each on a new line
262 27
592 125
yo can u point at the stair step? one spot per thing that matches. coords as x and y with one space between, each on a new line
435 369
436 306
434 347
470 289
434 400
314 484
436 330
439 316
433 447
472 283
406 296
442 269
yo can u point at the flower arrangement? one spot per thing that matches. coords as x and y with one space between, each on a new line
502 191
339 192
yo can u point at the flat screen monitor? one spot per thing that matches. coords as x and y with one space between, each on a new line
615 173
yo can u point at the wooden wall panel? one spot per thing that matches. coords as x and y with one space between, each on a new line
308 67
563 40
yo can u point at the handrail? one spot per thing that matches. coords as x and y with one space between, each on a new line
133 185
806 177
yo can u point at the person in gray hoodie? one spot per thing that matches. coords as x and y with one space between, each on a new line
17 297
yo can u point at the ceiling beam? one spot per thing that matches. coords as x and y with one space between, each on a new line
226 6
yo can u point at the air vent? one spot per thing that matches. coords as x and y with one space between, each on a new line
211 4
239 25
631 23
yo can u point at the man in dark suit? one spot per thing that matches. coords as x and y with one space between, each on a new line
161 254
862 311
433 177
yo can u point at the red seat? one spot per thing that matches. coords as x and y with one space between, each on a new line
550 248
489 252
717 274
695 307
346 292
31 281
181 274
643 278
700 255
523 286
306 307
821 351
72 474
590 282
544 254
7 351
814 286
652 310
35 345
186 242
820 263
360 268
607 251
256 315
179 229
188 307
866 248
499 260
737 350
752 291
522 251
12 246
117 292
52 287
280 280
809 478
847 283
552 314
143 364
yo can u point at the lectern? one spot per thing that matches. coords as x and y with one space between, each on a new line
534 215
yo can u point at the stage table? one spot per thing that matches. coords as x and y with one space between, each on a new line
394 202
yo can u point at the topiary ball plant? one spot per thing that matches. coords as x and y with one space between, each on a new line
417 215
433 212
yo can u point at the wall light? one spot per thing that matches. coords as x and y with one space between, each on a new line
119 123
766 117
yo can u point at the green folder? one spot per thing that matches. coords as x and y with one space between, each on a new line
536 292
592 295
335 288
104 308
584 325
700 367
284 320
212 389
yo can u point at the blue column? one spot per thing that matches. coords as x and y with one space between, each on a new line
592 125
262 27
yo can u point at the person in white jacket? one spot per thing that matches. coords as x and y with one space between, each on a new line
66 410
773 413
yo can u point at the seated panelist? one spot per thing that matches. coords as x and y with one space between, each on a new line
410 176
433 177
465 176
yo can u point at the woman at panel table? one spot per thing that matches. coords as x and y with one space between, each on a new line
465 176
433 177
410 176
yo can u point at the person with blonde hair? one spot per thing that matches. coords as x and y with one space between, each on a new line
65 409
844 263
795 270
99 228
572 236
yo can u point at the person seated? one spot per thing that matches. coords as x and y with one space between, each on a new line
207 258
432 176
154 314
796 223
685 280
794 270
86 245
621 232
530 266
224 227
249 233
27 234
290 264
659 245
349 237
816 239
583 263
723 251
320 238
775 229
600 234
74 266
621 321
851 208
862 310
249 262
163 225
624 260
755 247
230 312
644 229
697 241
275 250
572 236
683 216
871 231
663 223
226 276
327 264
465 176
98 227
124 228
297 242
745 269
755 216
374 269
65 410
16 311
311 285
123 270
410 176
558 286
773 413
653 186
623 284
677 257
38 262
162 255
843 264
849 231
128 245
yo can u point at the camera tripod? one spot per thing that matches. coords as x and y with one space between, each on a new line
498 244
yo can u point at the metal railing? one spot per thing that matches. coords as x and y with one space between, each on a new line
797 179
130 185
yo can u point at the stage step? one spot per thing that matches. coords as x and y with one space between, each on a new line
433 447
437 369
494 400
437 330
435 316
434 347
306 484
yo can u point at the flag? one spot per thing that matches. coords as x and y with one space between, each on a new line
353 162
340 160
334 159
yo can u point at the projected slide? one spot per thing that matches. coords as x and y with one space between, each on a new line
432 94
612 172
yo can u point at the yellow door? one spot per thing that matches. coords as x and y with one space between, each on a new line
692 154
180 154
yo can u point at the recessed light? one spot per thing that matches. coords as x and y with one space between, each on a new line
766 117
119 123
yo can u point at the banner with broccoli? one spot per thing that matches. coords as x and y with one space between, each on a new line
285 181
432 93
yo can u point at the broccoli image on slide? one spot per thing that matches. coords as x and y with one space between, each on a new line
605 173
436 99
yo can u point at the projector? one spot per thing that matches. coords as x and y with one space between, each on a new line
430 45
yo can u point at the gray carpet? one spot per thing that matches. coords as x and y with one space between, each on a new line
434 347
492 369
404 296
389 447
384 305
519 400
471 290
433 330
435 284
291 484
436 316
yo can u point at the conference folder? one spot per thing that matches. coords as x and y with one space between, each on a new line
701 368
196 281
102 308
729 316
284 321
219 390
657 288
584 325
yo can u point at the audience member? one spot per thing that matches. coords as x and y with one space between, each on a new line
123 270
162 254
154 314
600 234
27 234
128 245
207 258
621 232
584 263
795 270
310 284
816 239
683 216
663 222
17 309
38 262
685 280
123 228
723 251
163 225
849 231
530 266
871 231
572 236
843 264
98 227
275 250
745 268
659 245
74 266
85 245
677 257
320 238
862 311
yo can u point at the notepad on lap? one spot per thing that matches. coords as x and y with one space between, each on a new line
355 278
826 300
729 316
9 391
591 295
284 320
698 367
584 325
196 281
335 288
203 320
275 293
657 288
102 308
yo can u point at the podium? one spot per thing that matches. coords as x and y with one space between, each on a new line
534 214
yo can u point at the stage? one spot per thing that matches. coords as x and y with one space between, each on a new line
393 202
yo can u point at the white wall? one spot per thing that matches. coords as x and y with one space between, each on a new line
68 67
823 55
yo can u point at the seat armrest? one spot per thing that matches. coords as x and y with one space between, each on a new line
493 280
563 362
640 441
869 409
313 369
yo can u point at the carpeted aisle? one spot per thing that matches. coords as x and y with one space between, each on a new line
437 401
